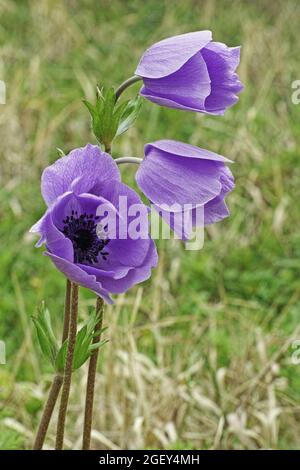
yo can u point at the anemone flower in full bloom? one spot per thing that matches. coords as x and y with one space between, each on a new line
74 187
191 72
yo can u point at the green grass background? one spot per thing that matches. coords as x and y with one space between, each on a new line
216 325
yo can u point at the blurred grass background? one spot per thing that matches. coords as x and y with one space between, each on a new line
199 357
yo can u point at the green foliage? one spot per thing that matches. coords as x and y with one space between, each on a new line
33 405
84 345
129 114
6 384
11 440
56 355
46 337
109 118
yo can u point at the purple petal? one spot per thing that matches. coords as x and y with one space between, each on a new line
83 170
38 228
115 273
216 209
176 173
56 241
167 56
186 150
135 275
187 88
80 203
180 222
120 279
79 276
125 250
222 62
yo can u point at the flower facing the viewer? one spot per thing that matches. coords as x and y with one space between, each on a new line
191 178
74 188
191 72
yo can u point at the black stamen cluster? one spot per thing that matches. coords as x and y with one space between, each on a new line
82 231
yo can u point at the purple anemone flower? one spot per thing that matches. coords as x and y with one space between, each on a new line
74 188
180 178
190 72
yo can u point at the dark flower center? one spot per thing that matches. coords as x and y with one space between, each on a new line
83 233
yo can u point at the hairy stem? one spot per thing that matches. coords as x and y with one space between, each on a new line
48 411
68 369
130 81
56 383
67 311
90 389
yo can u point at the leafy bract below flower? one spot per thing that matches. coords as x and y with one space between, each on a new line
73 188
190 72
175 173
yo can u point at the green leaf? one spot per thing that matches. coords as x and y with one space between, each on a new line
84 341
118 113
90 107
98 345
81 353
129 115
95 112
48 325
57 355
95 333
110 118
107 117
46 337
60 360
43 341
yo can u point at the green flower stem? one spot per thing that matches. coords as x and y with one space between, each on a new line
90 389
121 160
68 369
56 384
130 81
